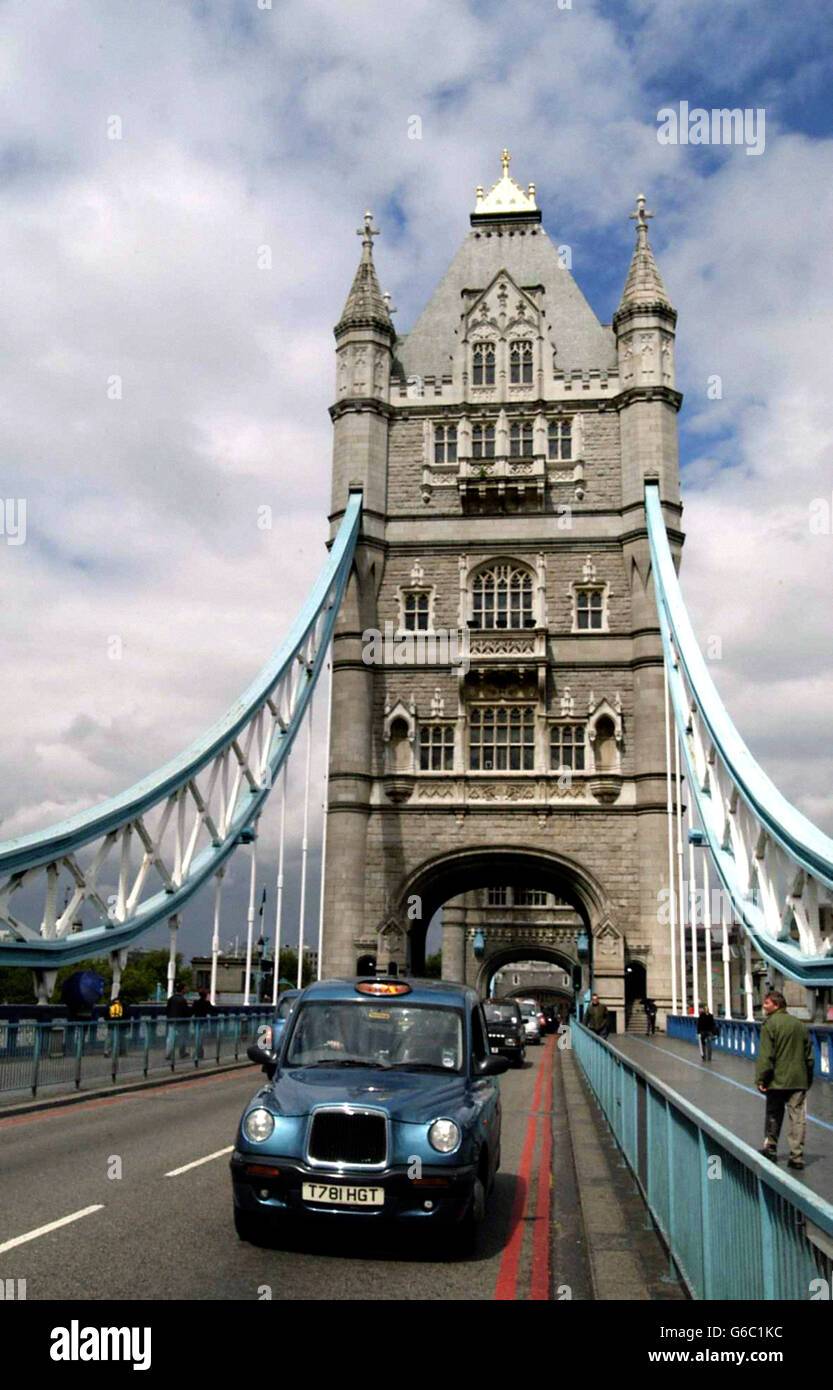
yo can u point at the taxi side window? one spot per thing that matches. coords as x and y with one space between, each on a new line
480 1045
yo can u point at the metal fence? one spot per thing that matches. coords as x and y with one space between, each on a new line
36 1056
741 1037
736 1228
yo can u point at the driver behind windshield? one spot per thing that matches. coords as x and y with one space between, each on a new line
376 1035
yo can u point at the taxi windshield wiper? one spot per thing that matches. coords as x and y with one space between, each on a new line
424 1066
346 1062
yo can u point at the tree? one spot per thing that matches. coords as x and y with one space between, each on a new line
288 967
17 985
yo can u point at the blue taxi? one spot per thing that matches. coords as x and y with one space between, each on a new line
383 1105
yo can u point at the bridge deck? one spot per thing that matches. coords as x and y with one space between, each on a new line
724 1089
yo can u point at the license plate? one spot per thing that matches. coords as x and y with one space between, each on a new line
496 1049
343 1196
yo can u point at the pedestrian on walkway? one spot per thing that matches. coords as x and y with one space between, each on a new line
651 1015
202 1010
596 1018
178 1010
706 1030
784 1074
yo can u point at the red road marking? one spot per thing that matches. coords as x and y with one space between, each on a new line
507 1280
146 1091
540 1287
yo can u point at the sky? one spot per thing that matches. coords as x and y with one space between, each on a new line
181 186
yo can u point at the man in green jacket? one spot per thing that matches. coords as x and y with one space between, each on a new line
784 1073
596 1018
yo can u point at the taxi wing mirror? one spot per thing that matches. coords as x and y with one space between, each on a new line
493 1066
265 1059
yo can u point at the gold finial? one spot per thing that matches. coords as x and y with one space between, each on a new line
504 159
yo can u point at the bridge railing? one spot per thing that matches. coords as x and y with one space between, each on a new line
735 1227
741 1038
35 1057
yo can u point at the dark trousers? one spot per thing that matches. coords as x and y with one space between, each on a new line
705 1041
652 1021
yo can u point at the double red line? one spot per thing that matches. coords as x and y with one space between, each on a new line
507 1282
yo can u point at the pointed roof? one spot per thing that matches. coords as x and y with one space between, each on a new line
505 199
644 285
366 306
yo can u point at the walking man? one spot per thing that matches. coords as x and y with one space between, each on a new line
178 1010
651 1015
784 1074
706 1030
596 1018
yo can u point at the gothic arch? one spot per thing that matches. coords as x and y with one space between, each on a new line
444 876
510 954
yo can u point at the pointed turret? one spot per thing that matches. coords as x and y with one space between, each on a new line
648 402
365 306
364 336
644 285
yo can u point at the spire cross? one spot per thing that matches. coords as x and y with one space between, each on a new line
504 159
368 231
641 216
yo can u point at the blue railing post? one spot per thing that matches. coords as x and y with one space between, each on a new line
706 1236
768 1239
36 1050
79 1053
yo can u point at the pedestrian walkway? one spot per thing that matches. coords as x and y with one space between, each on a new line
724 1089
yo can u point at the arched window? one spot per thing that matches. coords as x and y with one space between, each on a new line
520 441
502 597
483 442
520 363
483 364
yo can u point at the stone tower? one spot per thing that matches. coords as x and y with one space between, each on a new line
497 670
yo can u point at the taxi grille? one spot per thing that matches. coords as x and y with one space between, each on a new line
337 1136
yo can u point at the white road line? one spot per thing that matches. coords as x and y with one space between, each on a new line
52 1226
175 1172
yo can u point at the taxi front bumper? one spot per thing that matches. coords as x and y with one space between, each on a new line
441 1195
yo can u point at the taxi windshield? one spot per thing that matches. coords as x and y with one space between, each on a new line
501 1013
379 1033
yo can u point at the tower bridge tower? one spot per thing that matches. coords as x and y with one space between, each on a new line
497 710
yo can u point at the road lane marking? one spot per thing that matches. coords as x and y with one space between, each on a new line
718 1075
175 1172
51 1226
507 1281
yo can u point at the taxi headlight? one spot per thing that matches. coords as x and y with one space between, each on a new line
444 1136
258 1125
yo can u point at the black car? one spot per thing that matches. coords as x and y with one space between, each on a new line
505 1026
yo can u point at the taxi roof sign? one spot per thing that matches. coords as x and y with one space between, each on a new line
384 988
